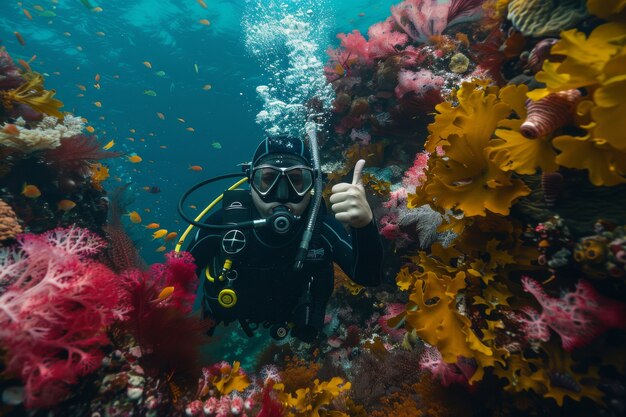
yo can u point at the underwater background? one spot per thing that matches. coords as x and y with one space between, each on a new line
496 164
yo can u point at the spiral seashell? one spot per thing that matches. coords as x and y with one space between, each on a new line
549 113
540 53
552 185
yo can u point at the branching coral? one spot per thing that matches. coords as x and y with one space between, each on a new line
46 134
595 63
578 317
33 95
55 305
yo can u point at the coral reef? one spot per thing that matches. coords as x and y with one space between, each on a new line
9 225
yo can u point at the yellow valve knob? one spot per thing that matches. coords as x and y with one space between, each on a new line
227 298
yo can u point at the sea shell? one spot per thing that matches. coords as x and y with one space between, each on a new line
549 113
539 53
552 185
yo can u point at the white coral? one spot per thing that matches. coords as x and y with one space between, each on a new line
46 134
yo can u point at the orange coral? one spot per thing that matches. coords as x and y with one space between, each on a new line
9 226
298 373
466 178
33 94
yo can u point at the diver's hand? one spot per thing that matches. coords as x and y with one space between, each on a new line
348 200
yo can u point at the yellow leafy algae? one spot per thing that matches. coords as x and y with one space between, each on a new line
33 94
312 401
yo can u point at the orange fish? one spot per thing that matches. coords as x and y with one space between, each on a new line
192 206
207 87
25 65
97 104
167 291
38 8
97 77
135 159
163 249
134 217
19 38
153 226
90 129
147 64
204 22
160 115
159 234
11 130
30 191
66 205
109 145
202 3
191 129
28 15
81 87
195 167
170 236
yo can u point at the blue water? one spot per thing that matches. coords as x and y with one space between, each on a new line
77 43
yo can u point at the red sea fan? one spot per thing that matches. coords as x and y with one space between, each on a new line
384 40
76 153
578 317
178 271
54 308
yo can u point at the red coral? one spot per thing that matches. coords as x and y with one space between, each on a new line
76 153
55 304
271 407
578 317
179 271
422 19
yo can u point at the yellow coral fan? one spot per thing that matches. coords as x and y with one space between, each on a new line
311 402
466 178
230 379
596 63
33 94
437 321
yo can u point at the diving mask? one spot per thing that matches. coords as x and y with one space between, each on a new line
283 184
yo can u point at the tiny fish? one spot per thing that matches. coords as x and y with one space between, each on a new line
47 13
134 217
30 191
66 205
153 226
180 119
162 249
109 145
67 34
147 64
163 147
202 3
151 93
170 236
160 73
195 167
135 159
97 104
97 9
27 13
207 87
216 145
191 129
96 86
132 130
192 206
160 115
81 87
159 234
19 38
195 66
204 22
38 8
97 77
100 34
167 291
90 129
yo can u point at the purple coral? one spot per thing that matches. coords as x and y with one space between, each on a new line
578 317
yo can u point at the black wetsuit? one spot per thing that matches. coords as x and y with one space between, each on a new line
268 290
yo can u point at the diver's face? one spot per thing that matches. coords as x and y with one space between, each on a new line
265 209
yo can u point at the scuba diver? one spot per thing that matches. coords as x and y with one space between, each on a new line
266 257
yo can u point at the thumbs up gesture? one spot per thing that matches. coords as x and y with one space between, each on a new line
348 200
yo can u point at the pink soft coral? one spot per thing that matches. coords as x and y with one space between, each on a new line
446 373
178 271
578 317
422 83
422 19
384 40
55 304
